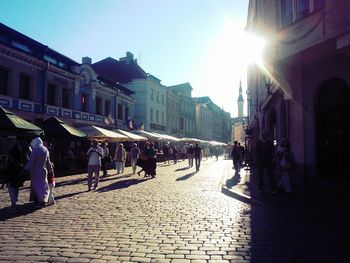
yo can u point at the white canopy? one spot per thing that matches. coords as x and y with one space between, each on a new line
149 135
101 134
188 139
132 136
167 137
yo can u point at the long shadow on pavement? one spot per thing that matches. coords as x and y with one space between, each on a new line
234 180
21 210
186 176
121 184
182 169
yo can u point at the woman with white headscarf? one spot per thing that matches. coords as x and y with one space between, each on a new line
39 165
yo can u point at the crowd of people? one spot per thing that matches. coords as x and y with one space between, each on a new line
34 162
267 158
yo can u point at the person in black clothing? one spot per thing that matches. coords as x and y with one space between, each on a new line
14 175
166 153
264 157
197 156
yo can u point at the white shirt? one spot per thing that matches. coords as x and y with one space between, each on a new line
95 155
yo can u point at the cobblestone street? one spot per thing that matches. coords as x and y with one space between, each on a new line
180 216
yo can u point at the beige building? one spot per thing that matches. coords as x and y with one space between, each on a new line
204 122
173 113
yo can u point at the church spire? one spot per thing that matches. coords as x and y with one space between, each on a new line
240 101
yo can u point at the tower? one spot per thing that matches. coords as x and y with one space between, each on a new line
240 101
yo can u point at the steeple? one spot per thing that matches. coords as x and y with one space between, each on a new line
240 101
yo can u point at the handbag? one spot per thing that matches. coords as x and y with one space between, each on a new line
143 157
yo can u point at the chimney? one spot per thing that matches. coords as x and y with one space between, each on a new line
86 60
128 58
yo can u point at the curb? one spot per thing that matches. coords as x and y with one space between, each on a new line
231 192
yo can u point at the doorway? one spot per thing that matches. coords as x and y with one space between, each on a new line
333 128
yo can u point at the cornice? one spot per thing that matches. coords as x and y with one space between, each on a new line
34 62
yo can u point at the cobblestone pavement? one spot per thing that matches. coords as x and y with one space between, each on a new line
180 216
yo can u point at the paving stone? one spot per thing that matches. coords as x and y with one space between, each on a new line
176 217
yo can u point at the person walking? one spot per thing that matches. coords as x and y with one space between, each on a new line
105 158
94 154
190 155
151 163
120 157
236 155
134 155
175 154
142 161
166 153
264 157
14 176
197 156
286 164
52 183
39 165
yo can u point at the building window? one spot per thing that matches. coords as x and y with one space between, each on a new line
182 123
157 116
158 97
51 94
98 105
163 99
302 8
65 98
4 81
107 107
120 111
286 12
292 10
162 117
84 102
24 87
151 114
151 94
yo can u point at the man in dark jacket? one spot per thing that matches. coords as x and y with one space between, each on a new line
264 157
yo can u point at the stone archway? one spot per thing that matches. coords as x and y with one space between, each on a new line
333 128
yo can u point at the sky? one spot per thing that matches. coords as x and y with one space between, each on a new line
197 41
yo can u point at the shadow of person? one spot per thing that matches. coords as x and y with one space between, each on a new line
234 180
182 169
186 176
21 210
121 184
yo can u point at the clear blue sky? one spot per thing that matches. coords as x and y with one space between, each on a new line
175 40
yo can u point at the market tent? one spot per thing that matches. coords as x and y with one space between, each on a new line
149 135
132 136
188 139
11 124
97 133
166 137
57 128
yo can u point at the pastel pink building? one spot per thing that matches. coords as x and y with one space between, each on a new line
302 92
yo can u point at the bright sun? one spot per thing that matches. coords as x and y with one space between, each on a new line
226 64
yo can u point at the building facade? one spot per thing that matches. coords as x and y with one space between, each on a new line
37 82
204 122
303 93
221 126
187 114
173 113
